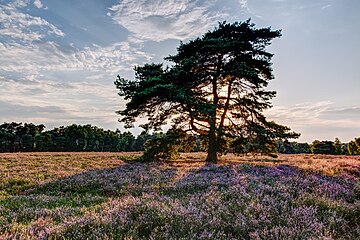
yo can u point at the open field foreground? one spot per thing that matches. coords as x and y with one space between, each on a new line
108 196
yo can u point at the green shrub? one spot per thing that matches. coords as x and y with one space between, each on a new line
167 146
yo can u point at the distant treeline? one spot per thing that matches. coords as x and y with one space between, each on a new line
321 147
29 137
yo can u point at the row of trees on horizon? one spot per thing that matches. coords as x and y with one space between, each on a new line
29 137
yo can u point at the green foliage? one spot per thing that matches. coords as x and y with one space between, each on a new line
338 146
167 146
28 137
285 147
302 148
317 147
19 137
215 89
322 147
354 147
293 147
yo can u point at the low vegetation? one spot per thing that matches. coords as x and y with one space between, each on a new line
113 196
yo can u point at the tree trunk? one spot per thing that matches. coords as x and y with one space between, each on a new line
213 145
212 154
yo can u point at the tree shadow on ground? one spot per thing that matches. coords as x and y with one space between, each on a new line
175 182
86 189
294 179
133 178
174 178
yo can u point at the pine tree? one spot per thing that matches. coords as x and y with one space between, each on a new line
215 89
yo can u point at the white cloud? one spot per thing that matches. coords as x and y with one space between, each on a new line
113 58
78 82
305 113
38 4
27 52
49 56
55 115
38 75
22 26
159 20
319 120
18 3
326 6
243 3
47 101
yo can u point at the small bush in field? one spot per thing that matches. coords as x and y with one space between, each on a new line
167 146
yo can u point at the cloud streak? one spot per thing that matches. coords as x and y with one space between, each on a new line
50 56
21 26
160 20
38 4
53 82
319 119
57 104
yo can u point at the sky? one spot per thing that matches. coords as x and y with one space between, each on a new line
59 59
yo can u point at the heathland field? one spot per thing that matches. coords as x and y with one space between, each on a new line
111 196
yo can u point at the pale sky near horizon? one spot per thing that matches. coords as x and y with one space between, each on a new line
59 59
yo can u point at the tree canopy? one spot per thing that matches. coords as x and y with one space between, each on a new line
354 147
323 147
214 89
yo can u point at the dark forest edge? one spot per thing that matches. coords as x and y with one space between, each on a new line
29 137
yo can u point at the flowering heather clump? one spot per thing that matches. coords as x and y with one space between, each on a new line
99 196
